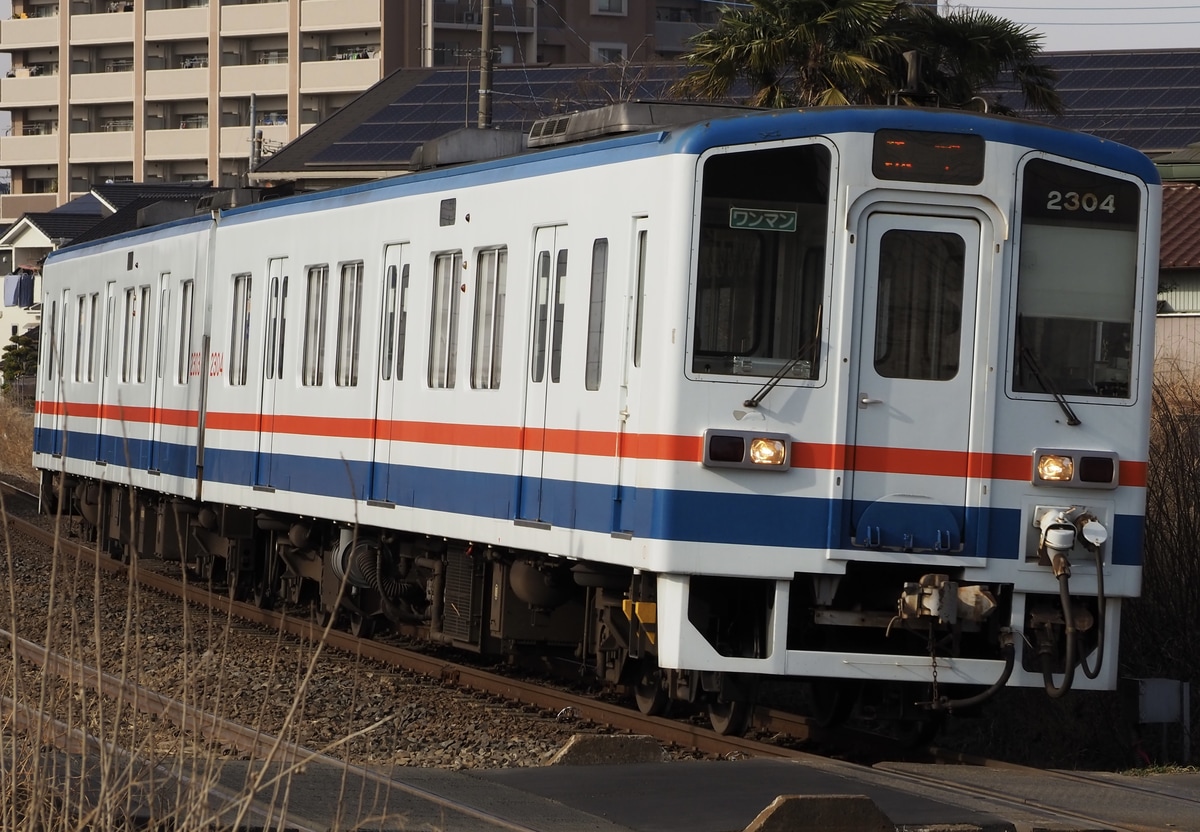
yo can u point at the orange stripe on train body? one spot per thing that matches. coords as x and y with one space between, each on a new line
649 446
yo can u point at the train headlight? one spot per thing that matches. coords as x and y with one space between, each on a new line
747 449
1055 468
764 451
1082 469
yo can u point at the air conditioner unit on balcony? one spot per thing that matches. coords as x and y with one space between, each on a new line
472 17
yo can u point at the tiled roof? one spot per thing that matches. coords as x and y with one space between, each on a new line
1180 243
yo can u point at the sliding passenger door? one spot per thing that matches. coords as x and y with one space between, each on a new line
545 364
392 327
273 342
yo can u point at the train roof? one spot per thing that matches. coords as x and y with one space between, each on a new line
662 130
726 126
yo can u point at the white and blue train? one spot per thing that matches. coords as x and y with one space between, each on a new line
853 395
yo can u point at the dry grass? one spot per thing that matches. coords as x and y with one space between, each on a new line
16 442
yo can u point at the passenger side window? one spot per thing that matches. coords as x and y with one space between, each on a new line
313 367
595 330
349 323
488 341
443 329
239 346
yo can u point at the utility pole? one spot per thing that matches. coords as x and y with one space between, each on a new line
485 68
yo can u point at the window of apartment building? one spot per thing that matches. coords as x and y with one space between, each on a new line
608 53
608 7
349 317
488 341
443 329
313 370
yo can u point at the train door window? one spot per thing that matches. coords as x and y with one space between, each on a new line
110 323
143 328
443 329
760 270
183 364
131 342
918 323
51 334
541 317
313 368
271 332
639 298
349 325
395 322
164 305
387 330
595 329
556 341
81 335
488 338
94 334
239 333
1076 282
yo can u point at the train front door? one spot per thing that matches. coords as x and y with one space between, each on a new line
273 340
919 279
545 364
392 326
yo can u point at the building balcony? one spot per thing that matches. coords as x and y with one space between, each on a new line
254 19
171 24
28 33
323 15
176 84
29 91
672 36
14 205
261 79
235 141
467 14
29 150
339 76
109 146
102 28
101 87
164 145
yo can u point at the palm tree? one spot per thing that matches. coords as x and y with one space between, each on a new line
812 52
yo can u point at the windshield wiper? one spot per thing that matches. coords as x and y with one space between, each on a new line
1048 385
770 384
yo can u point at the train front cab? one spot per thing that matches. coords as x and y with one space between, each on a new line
956 453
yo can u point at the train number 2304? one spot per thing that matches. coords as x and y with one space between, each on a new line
1073 201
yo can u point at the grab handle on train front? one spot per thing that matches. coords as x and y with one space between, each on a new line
867 400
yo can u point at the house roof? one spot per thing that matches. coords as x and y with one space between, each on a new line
117 195
1148 99
1179 247
380 130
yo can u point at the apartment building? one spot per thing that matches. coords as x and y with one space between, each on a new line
183 90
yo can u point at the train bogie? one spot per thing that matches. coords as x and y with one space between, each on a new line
845 394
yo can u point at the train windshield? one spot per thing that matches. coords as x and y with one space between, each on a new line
1076 282
761 262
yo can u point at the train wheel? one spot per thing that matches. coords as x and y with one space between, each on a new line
648 691
362 626
730 719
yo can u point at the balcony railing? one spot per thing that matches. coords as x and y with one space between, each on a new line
467 13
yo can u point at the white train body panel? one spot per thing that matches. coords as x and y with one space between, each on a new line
907 349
